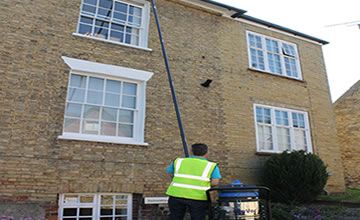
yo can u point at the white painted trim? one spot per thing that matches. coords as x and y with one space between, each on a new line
100 138
273 108
192 177
107 69
112 42
188 186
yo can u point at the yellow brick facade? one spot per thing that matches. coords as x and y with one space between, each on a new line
36 166
348 129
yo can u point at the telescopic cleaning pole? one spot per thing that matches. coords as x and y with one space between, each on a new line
171 81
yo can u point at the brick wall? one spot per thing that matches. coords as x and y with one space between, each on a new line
35 165
347 110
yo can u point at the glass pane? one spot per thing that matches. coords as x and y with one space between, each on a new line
85 29
283 137
70 199
126 116
112 99
121 211
86 218
102 24
267 116
137 12
129 102
86 211
70 212
121 7
121 197
92 2
72 125
91 112
104 13
94 97
86 20
259 115
120 218
108 129
106 200
73 110
96 83
106 210
122 202
88 9
76 95
106 218
120 17
109 114
77 81
125 130
117 36
300 140
265 137
119 28
113 86
86 199
101 32
105 3
91 127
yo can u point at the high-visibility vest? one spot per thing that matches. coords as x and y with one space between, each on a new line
191 178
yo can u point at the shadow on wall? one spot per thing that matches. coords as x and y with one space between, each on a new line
21 212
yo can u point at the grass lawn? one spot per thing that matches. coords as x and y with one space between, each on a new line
351 195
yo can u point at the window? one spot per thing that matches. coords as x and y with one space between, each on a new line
279 129
273 56
104 103
124 22
95 206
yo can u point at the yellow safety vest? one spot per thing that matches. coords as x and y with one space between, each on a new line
191 178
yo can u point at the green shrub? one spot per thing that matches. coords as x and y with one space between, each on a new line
296 177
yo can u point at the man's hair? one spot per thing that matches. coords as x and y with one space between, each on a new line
199 149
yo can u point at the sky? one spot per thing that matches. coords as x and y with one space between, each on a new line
317 18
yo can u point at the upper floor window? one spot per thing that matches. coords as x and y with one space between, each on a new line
120 21
105 103
273 56
279 129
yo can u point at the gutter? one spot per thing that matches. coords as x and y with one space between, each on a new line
240 13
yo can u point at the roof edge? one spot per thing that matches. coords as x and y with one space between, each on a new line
231 8
349 92
282 28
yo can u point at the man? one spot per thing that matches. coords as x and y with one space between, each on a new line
191 178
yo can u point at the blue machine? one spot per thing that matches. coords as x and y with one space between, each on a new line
240 201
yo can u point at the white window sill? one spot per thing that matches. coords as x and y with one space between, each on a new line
273 152
274 74
98 138
112 42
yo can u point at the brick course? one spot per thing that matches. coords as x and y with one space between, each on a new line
35 165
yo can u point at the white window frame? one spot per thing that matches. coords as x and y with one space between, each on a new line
143 30
282 56
274 132
139 77
95 205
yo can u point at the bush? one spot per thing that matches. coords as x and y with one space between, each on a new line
296 177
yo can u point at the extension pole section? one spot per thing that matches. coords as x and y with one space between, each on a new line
171 81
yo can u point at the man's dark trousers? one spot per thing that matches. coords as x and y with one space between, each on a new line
197 208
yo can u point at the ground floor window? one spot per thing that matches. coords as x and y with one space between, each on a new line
281 129
95 206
